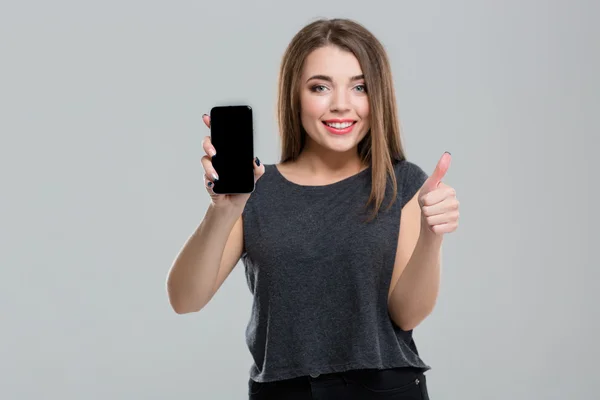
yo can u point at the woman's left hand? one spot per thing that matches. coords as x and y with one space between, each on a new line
439 206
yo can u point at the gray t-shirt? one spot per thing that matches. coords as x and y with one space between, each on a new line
320 276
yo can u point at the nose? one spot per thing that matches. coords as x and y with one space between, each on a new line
339 101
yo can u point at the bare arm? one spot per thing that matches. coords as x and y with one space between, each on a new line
417 286
430 214
205 261
214 248
415 281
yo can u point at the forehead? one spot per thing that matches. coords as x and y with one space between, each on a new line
331 61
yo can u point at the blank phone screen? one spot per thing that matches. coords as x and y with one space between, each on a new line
231 130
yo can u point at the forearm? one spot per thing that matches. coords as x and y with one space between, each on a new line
191 279
415 293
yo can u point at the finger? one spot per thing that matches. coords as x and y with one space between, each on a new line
208 147
445 218
445 228
206 119
209 170
259 169
209 185
437 196
438 174
448 205
441 168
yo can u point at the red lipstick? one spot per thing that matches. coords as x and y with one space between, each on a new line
344 126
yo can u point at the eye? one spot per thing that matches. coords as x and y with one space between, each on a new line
318 88
361 88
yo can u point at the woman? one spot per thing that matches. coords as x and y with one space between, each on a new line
340 240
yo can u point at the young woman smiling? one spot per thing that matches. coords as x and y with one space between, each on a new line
340 240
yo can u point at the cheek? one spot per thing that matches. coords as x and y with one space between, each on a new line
361 105
313 106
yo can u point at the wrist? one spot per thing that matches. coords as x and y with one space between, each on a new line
429 237
228 213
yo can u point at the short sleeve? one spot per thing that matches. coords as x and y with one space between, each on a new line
410 178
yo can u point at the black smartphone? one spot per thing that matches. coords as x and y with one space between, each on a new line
232 135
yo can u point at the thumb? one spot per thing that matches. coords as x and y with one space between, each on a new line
206 120
438 174
259 169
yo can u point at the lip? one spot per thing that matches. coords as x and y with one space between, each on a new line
339 131
338 120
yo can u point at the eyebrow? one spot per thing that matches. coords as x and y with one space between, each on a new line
329 79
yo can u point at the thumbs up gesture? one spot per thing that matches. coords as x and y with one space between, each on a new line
439 206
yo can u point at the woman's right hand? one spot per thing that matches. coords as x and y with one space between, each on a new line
223 201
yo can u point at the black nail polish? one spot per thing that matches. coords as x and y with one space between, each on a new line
257 162
209 184
449 152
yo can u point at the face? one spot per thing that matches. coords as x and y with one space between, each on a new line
333 100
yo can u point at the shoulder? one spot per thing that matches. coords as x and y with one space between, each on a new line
266 182
265 187
409 178
408 171
270 173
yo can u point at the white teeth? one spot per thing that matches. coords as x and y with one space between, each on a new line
339 125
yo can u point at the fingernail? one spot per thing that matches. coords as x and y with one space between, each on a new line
449 152
204 115
209 184
215 177
257 162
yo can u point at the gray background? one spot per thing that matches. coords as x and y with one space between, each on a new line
101 181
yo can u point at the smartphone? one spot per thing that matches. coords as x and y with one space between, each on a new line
232 135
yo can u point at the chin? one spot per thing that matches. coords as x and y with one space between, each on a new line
340 143
340 147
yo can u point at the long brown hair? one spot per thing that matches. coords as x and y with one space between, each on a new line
382 145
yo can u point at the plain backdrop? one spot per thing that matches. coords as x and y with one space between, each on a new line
101 184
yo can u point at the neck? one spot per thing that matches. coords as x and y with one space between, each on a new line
322 161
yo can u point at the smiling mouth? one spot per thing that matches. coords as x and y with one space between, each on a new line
339 125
